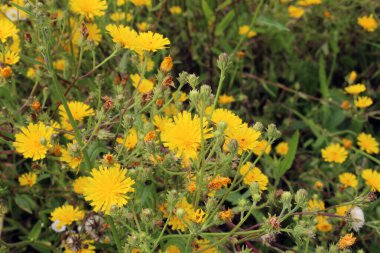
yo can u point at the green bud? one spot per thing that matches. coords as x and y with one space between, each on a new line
43 141
272 132
220 127
258 126
182 78
180 213
286 199
301 197
205 93
223 61
194 97
233 146
103 135
193 80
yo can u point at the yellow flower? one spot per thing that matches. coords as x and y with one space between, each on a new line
147 3
66 214
184 136
334 153
108 187
143 26
282 148
121 2
175 10
323 225
363 102
166 64
368 23
318 185
130 141
348 179
184 214
149 41
218 183
172 249
59 64
34 141
142 84
246 137
27 179
86 247
295 12
342 210
118 16
309 2
254 175
123 35
315 205
94 34
368 144
347 143
7 29
71 156
225 99
346 241
88 8
78 109
31 73
246 31
259 148
352 77
150 136
372 179
79 184
171 109
6 72
226 116
162 122
355 89
226 215
11 57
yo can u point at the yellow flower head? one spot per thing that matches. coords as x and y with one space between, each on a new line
147 3
315 205
142 84
246 31
309 2
261 145
166 64
184 136
363 102
34 141
372 179
11 57
149 41
202 245
282 148
175 10
72 156
226 116
352 77
246 138
368 23
225 99
218 183
226 215
323 224
252 175
120 16
346 241
142 27
162 122
348 179
295 12
88 8
172 249
368 144
131 141
94 34
342 210
124 35
27 179
108 187
7 29
355 89
60 64
78 109
79 184
334 153
66 215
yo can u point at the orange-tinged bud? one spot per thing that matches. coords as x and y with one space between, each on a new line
345 105
36 106
166 64
6 72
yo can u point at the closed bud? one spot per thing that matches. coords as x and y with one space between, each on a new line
286 199
220 127
194 97
272 132
205 93
180 213
223 61
43 141
258 126
254 188
193 80
182 78
233 146
301 197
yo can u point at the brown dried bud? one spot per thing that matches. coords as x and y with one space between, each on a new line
274 222
160 102
84 31
278 193
168 81
27 37
108 103
147 97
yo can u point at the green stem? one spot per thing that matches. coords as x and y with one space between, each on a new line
115 235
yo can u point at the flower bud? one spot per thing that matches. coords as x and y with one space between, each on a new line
272 132
194 97
180 212
223 61
193 80
233 146
205 93
301 197
286 199
182 78
258 126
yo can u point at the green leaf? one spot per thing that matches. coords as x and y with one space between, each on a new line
36 231
271 23
224 23
287 162
25 203
208 11
223 5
